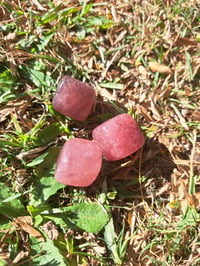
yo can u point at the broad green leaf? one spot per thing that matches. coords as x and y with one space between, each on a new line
10 206
44 40
35 211
46 168
36 73
57 219
89 217
46 253
110 238
44 189
46 185
37 77
37 160
48 134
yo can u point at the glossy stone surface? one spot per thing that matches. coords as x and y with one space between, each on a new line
79 163
74 98
118 137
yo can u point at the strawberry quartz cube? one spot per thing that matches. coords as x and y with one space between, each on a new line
74 98
118 137
79 163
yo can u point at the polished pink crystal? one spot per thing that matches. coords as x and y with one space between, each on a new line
79 163
74 98
118 137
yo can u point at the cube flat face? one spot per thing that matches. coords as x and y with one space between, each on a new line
118 137
74 98
79 163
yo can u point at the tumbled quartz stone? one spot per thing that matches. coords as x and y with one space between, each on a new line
118 137
74 98
79 163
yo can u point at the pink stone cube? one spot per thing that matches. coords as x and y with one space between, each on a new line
79 163
74 98
118 137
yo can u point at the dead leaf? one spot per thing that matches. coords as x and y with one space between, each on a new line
51 230
143 71
155 110
20 105
6 257
120 36
3 237
142 110
4 113
185 42
195 64
168 2
33 153
23 223
194 200
10 36
21 255
99 249
38 5
161 68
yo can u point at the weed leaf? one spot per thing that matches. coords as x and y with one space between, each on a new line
110 238
47 253
10 206
44 189
48 134
46 185
90 217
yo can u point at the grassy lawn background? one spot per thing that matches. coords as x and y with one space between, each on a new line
142 57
